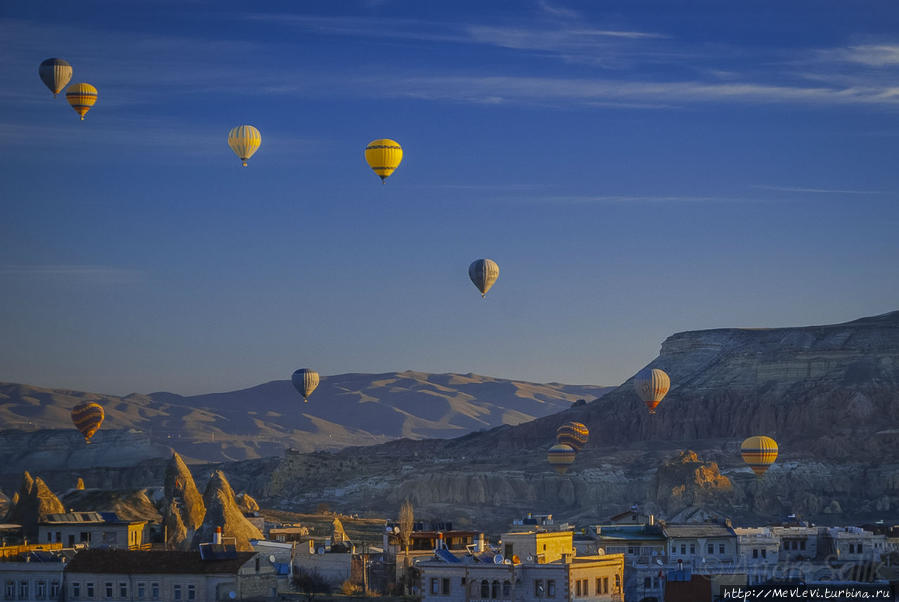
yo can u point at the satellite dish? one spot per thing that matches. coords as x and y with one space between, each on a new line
389 530
272 559
498 559
530 558
320 550
659 562
232 595
396 530
601 551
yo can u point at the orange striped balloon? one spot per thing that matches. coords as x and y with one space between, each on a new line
759 452
87 418
573 434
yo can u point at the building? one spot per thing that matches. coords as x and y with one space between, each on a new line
700 545
218 573
853 544
553 574
334 563
92 529
288 533
759 553
645 553
33 575
797 542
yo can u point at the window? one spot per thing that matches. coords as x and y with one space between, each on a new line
90 589
84 536
141 590
494 590
683 548
711 548
507 590
10 590
721 548
605 585
49 536
647 582
154 590
176 590
435 585
802 544
54 590
58 536
485 589
692 548
23 590
578 587
41 590
755 552
123 589
445 590
192 592
76 591
858 548
630 550
598 585
257 564
538 588
109 589
550 588
764 553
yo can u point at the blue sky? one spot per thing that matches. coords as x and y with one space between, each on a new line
635 168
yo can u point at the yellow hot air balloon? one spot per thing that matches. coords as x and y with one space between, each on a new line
244 140
55 73
483 273
383 156
560 457
87 418
573 434
759 452
652 386
305 381
82 97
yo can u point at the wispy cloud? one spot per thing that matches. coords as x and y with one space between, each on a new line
870 55
95 274
816 190
557 10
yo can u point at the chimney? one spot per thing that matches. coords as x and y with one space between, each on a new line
652 520
439 542
217 537
479 548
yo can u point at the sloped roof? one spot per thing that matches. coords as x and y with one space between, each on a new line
698 530
122 562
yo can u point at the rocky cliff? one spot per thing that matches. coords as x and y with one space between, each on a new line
35 501
828 394
222 511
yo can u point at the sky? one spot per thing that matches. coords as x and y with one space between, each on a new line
636 168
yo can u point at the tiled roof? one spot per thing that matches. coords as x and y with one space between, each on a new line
123 562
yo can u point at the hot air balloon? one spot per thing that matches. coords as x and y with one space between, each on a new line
82 97
305 381
55 73
244 140
483 272
383 156
651 386
759 452
87 418
573 434
560 457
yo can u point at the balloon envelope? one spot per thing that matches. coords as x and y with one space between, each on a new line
573 434
87 418
383 156
560 457
652 386
244 140
305 381
759 452
483 273
82 97
55 73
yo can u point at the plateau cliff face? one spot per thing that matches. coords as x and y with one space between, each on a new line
828 394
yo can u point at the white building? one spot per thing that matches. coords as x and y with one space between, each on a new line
34 576
759 553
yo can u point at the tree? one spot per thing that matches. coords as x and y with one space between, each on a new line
406 523
310 583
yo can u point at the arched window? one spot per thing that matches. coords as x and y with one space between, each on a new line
485 589
507 590
494 590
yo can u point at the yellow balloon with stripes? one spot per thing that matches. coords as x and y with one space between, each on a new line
759 452
560 457
244 140
82 97
383 156
87 418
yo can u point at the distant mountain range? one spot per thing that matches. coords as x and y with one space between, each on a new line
346 409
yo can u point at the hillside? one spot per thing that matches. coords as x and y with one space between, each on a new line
828 394
346 409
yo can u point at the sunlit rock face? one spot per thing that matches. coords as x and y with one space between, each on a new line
222 511
34 502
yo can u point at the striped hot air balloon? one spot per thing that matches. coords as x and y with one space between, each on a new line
305 381
573 434
560 457
652 386
483 273
759 452
87 418
56 74
383 156
244 140
82 97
